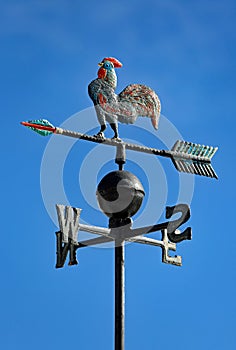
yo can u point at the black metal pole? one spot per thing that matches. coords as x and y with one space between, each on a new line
119 296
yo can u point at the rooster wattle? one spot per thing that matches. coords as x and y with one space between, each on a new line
135 100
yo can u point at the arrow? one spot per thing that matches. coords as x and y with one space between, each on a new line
187 157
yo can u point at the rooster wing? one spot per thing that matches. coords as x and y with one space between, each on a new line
141 99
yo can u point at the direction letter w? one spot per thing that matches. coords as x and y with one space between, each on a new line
68 218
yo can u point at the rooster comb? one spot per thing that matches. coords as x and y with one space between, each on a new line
117 64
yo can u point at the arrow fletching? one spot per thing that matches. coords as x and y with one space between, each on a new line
41 126
193 158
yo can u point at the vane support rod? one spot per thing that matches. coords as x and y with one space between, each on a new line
120 296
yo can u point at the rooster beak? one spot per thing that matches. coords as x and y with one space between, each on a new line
100 64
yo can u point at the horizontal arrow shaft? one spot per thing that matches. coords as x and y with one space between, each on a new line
187 157
132 147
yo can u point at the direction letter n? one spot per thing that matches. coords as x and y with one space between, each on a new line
68 218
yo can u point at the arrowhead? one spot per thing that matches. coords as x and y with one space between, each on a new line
41 126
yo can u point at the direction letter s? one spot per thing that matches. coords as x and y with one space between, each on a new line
173 225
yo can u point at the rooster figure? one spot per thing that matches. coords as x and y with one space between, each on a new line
135 100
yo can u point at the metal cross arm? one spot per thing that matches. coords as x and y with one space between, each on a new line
164 243
67 242
187 157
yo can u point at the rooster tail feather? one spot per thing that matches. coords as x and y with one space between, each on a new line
140 100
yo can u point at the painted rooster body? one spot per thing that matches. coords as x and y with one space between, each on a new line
135 100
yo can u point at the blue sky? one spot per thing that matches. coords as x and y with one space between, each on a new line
184 50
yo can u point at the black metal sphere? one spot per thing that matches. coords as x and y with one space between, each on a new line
120 194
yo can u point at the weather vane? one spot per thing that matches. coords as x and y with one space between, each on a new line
120 193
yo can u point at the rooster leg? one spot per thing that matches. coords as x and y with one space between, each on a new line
102 121
101 133
114 127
